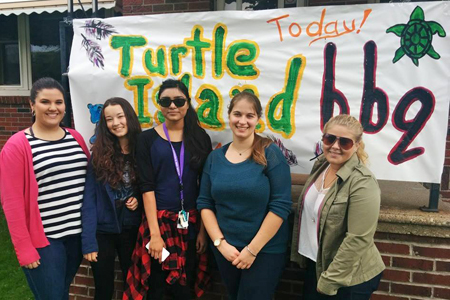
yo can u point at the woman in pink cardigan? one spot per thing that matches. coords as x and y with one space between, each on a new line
42 174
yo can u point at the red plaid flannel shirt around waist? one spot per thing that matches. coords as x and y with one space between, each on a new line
176 241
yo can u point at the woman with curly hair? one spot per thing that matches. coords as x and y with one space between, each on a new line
111 210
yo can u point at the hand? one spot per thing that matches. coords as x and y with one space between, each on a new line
92 257
201 242
131 203
229 252
244 260
156 246
33 265
320 292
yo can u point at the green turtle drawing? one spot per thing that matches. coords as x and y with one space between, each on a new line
416 37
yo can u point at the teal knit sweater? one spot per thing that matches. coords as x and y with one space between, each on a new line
242 194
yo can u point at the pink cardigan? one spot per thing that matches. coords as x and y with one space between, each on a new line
19 193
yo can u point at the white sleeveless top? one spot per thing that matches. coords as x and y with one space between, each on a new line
308 244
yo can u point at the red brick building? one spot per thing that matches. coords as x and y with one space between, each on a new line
415 245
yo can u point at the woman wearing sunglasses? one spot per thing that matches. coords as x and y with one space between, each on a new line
170 158
337 217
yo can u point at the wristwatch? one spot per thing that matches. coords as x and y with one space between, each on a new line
218 241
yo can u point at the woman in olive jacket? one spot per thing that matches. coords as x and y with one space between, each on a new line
337 217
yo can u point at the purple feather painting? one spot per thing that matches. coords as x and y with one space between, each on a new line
98 30
94 52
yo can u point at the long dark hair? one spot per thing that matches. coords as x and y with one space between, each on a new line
42 84
195 137
259 143
107 158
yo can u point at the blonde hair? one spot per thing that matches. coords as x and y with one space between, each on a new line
259 143
357 130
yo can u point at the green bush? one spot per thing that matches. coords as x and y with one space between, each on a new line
13 284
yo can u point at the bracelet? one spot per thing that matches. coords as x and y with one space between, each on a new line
248 249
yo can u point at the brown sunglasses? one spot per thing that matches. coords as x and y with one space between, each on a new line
344 143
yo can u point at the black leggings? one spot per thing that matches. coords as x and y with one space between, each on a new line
361 291
103 269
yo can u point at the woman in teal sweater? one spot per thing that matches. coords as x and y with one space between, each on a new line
245 199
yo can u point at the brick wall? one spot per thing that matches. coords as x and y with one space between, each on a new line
15 114
83 285
416 268
335 2
145 7
445 179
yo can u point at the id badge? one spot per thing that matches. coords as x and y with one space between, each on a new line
183 218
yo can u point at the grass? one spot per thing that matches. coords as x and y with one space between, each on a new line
13 285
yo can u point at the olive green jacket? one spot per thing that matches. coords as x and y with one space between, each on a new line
348 219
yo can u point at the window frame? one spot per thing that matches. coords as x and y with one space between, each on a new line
23 32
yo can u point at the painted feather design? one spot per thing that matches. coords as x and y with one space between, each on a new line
98 29
94 52
318 150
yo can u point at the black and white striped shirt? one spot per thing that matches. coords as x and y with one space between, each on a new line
60 169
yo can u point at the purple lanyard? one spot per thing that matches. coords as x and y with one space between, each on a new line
179 164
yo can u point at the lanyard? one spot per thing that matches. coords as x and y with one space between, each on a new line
179 164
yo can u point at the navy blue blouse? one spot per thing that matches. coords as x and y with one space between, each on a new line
157 172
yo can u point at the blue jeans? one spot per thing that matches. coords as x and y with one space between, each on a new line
59 264
257 283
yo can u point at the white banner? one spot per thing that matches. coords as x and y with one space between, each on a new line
386 64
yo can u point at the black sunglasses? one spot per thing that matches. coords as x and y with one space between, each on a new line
344 143
166 102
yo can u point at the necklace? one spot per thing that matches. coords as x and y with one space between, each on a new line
325 177
240 153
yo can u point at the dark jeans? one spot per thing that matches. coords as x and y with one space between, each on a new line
157 281
257 283
59 264
103 269
361 291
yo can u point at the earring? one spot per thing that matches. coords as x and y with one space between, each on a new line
33 113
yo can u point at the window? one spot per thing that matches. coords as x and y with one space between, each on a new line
9 52
13 53
29 50
44 45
